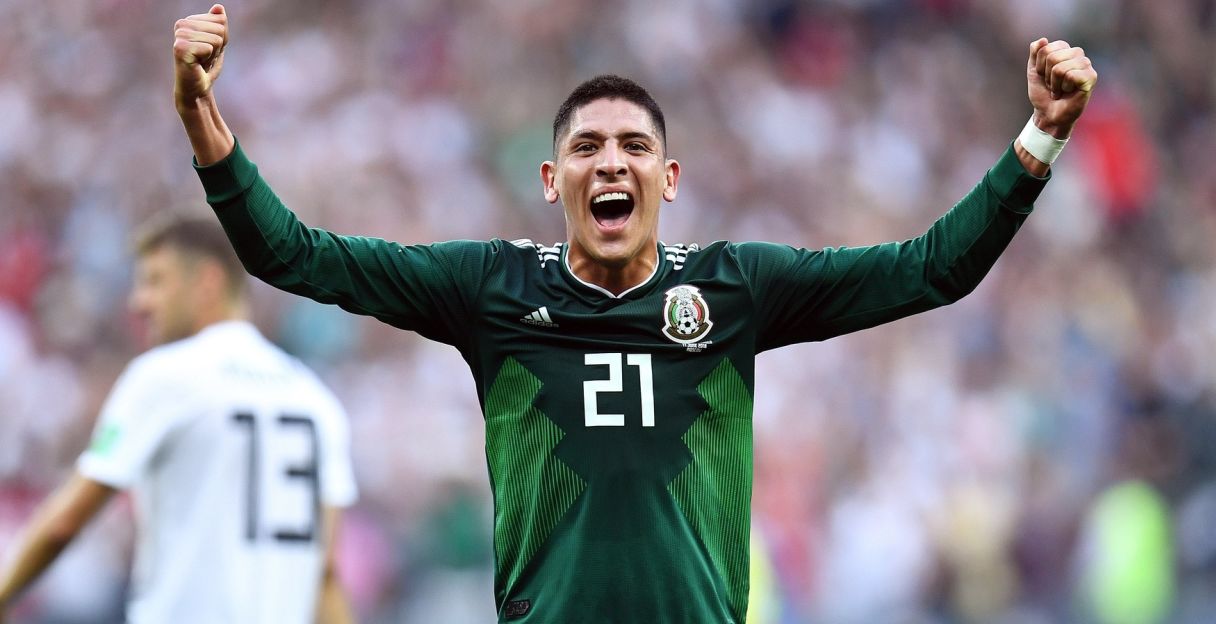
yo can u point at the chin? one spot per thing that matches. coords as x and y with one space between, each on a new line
614 257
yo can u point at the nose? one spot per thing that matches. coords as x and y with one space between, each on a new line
612 162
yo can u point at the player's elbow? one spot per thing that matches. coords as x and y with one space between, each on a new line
956 282
947 292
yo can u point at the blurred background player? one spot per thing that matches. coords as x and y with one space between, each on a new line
235 454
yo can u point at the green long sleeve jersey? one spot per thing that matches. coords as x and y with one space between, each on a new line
618 428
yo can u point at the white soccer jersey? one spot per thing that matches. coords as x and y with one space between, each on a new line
229 447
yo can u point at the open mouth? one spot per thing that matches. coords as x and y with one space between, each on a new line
612 210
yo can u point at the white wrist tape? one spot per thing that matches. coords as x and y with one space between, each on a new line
1041 145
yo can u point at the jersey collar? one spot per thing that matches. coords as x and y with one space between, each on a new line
650 278
230 326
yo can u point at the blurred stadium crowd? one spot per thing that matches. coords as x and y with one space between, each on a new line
1043 451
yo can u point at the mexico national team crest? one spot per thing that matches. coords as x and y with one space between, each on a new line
686 315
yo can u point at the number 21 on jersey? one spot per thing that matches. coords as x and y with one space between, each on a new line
592 388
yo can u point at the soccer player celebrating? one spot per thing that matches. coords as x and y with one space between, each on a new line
615 372
235 453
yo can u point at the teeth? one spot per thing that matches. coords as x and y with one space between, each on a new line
610 197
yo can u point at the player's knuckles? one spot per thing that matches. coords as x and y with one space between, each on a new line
1060 56
209 18
211 27
205 37
201 22
1052 48
1074 76
1045 56
192 51
1075 64
186 24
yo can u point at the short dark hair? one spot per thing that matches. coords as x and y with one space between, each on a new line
611 87
198 235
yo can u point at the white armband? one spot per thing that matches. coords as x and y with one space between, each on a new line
1044 147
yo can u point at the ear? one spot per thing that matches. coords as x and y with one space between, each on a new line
672 180
548 178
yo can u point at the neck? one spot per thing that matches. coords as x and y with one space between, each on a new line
226 311
614 279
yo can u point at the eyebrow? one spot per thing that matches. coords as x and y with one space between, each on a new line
599 136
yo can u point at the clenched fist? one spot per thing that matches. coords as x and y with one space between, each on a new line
198 54
1059 79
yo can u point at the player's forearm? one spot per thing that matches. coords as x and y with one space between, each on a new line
1033 166
963 244
887 282
332 606
34 557
56 523
209 136
48 534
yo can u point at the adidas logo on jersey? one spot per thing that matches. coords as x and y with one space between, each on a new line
540 318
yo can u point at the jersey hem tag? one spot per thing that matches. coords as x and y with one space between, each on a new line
517 608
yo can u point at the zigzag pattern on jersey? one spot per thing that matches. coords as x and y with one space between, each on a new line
544 254
532 488
714 491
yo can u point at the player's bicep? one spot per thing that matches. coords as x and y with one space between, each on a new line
424 288
803 295
429 289
439 284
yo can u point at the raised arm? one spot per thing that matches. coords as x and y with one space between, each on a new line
425 288
198 57
803 295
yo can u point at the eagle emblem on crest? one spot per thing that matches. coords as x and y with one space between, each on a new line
686 315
